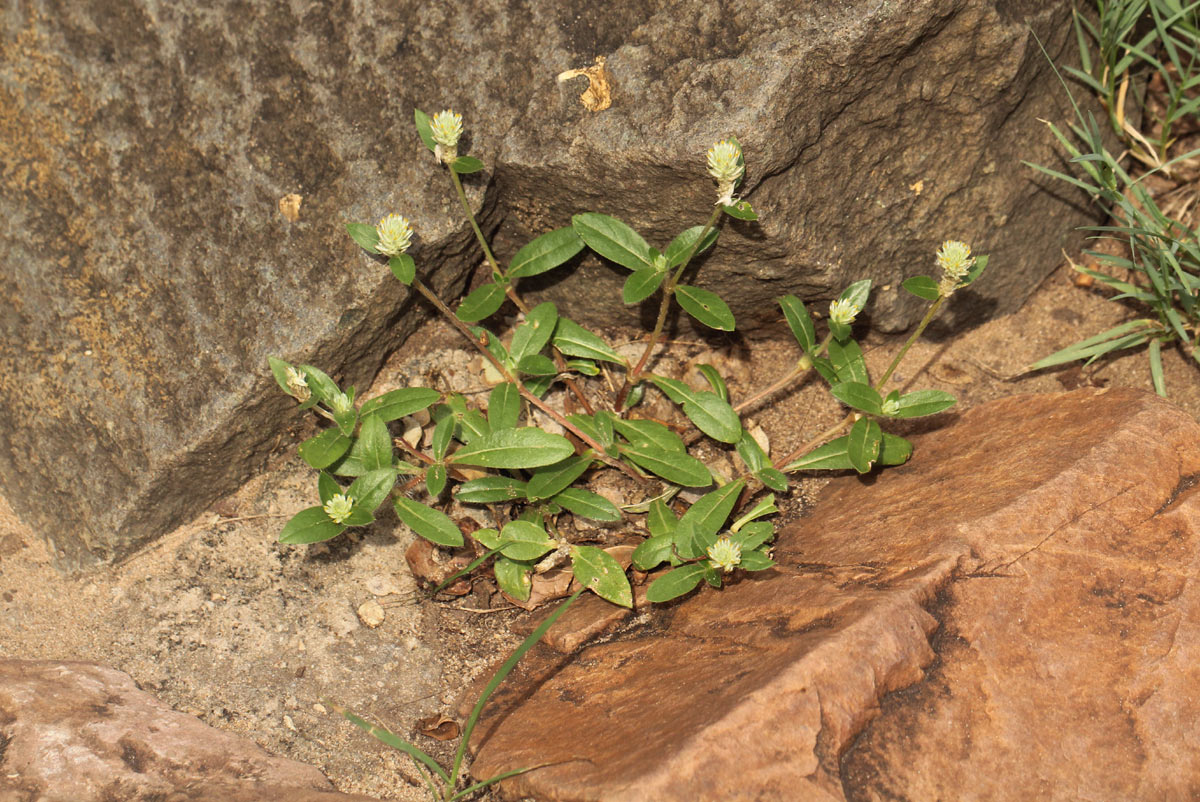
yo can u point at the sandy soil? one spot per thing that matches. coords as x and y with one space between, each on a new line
219 620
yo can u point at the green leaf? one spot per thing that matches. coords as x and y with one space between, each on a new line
677 468
833 456
825 367
310 526
681 246
443 434
715 381
848 362
705 306
587 504
585 367
895 450
976 271
482 302
472 425
841 331
490 490
800 322
424 129
653 552
532 335
857 293
711 414
923 402
755 561
366 236
641 284
327 487
398 403
764 507
323 387
514 448
647 433
465 165
324 449
490 538
524 541
660 520
403 268
372 489
574 340
588 425
537 365
923 287
538 385
513 577
279 371
773 479
685 541
433 525
545 253
858 396
613 240
863 446
751 452
740 210
598 571
376 444
504 406
753 535
710 511
435 480
675 583
548 481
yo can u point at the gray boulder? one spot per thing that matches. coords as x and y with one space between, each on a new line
149 268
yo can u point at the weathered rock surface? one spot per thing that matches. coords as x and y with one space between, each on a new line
150 267
1050 545
80 732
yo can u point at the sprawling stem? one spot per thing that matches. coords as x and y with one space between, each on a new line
820 439
463 329
802 367
933 308
668 290
462 197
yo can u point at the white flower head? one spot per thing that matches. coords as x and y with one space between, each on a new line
725 554
446 127
725 165
297 384
339 508
341 404
395 235
890 406
955 260
843 311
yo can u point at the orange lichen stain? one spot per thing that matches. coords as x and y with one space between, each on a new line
44 151
289 206
917 187
598 95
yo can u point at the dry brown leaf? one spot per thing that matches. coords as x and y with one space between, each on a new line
289 206
439 728
598 95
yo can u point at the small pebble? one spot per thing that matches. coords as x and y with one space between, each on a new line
287 722
370 613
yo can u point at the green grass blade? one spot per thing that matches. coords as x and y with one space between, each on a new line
1156 371
391 739
499 677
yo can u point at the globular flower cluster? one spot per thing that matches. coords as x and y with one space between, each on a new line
339 508
725 554
340 403
395 235
955 260
726 166
297 384
447 127
843 311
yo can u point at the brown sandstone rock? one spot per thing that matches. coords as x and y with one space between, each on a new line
80 732
1064 542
